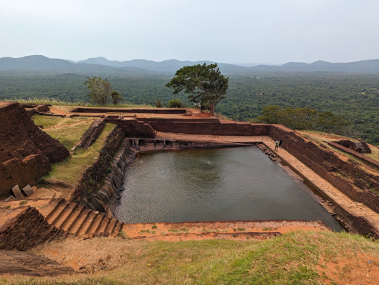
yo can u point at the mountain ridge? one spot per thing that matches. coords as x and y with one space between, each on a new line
101 64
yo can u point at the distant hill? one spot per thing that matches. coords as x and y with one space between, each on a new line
101 64
42 63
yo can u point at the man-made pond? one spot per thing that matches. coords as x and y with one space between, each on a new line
214 184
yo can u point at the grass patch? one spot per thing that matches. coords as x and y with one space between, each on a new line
294 258
71 169
67 130
374 155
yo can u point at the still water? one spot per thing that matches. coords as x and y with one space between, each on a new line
214 184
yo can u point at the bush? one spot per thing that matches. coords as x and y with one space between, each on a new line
175 103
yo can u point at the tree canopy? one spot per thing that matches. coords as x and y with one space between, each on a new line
305 119
204 83
101 92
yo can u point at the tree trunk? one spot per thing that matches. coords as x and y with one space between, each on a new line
212 108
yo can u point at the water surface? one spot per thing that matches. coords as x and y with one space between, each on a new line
214 184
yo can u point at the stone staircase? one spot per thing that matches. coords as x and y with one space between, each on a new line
77 221
361 147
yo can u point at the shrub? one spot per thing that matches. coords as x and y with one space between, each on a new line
175 103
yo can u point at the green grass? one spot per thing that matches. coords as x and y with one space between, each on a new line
71 169
67 130
290 259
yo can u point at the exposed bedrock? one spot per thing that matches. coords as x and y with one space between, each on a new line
26 152
347 177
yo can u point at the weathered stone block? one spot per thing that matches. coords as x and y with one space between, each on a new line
17 192
10 198
28 190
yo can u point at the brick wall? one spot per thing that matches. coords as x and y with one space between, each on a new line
25 228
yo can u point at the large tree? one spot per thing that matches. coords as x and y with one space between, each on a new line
204 83
101 92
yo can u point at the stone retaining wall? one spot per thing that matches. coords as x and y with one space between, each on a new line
207 128
134 128
347 177
130 110
87 191
361 157
92 133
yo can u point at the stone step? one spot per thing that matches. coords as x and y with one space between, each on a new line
73 218
118 227
65 215
78 222
56 213
72 210
103 225
110 226
95 224
50 208
87 223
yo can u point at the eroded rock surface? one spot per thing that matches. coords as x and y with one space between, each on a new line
26 152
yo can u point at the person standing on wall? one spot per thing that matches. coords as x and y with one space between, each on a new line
276 146
280 143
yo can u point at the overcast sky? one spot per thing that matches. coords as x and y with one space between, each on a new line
233 31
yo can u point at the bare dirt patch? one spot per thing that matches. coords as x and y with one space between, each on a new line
23 263
362 270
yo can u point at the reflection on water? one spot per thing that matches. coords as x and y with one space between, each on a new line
214 184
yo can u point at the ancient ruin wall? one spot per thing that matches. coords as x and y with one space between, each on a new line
361 157
113 184
134 128
87 190
26 152
92 133
202 127
345 176
129 110
25 229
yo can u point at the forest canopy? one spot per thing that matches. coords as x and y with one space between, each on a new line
305 118
355 96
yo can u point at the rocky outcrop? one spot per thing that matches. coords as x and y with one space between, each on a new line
26 152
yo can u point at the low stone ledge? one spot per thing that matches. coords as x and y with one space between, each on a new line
361 157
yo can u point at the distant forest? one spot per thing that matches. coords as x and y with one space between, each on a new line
355 96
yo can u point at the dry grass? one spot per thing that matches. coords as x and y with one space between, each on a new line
374 155
295 258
